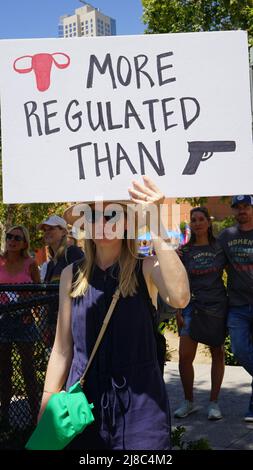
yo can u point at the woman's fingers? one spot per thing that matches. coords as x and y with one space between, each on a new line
145 194
150 184
142 189
141 196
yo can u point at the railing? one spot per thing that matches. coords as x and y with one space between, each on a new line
28 315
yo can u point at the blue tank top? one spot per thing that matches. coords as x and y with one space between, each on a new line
124 382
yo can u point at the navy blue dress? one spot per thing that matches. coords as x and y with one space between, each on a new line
124 382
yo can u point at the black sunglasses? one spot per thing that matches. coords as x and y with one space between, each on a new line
92 216
17 238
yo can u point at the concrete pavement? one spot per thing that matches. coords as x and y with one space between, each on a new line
229 433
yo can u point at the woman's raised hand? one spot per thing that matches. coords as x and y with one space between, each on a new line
147 193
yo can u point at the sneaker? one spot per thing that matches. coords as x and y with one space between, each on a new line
248 417
214 411
185 409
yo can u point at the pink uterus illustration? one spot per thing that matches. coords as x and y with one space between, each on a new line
41 64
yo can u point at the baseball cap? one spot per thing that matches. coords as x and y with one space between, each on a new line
54 221
245 199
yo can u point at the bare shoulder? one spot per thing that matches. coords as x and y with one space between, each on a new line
66 279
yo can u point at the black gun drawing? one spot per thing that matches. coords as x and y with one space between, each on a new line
202 151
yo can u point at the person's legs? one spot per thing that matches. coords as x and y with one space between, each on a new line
240 324
240 321
26 351
187 352
217 371
249 414
5 381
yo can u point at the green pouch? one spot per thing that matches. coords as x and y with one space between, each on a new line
66 415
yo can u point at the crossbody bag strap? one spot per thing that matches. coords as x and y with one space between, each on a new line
114 301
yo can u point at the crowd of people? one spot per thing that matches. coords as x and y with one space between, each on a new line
125 381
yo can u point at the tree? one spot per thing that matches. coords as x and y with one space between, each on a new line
175 16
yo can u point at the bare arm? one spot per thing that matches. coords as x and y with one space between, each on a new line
165 271
62 352
168 274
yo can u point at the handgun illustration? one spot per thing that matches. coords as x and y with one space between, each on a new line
203 150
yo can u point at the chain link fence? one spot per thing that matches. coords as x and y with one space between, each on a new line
28 315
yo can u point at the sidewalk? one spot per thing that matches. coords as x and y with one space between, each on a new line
229 433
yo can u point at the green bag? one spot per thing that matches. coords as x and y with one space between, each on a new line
66 415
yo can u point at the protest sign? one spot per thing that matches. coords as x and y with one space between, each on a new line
82 117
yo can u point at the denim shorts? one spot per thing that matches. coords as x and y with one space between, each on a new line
187 315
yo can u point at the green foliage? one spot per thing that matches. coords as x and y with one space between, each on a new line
230 359
219 225
193 201
179 444
29 215
183 226
172 324
174 16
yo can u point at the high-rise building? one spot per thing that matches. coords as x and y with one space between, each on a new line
87 21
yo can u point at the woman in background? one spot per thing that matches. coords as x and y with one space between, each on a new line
204 261
17 267
60 252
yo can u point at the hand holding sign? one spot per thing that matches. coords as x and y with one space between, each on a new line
146 193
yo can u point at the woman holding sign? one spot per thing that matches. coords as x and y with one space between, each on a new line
124 381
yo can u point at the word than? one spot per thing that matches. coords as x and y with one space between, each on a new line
88 152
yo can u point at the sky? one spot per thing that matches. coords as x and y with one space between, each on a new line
39 19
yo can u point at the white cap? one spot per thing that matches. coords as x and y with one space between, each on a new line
54 221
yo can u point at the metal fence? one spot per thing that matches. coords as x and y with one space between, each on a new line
28 315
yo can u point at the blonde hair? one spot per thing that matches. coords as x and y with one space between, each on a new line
127 262
25 252
60 250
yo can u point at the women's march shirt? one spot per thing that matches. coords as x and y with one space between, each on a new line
205 265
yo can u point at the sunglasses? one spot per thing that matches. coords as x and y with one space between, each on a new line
51 228
17 238
94 216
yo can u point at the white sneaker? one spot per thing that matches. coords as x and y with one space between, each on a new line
214 411
185 409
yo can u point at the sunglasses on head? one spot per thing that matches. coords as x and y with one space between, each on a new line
17 238
92 216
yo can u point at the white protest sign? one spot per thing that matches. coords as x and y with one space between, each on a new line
83 117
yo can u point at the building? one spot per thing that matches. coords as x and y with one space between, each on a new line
87 21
